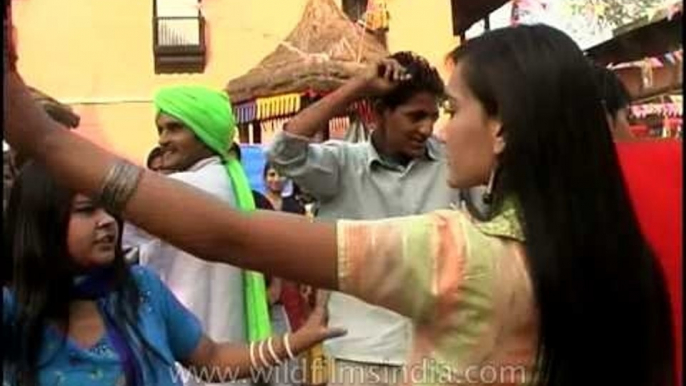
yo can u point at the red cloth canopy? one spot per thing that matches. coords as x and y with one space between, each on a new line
653 174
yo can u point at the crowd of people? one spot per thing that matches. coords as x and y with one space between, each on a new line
512 245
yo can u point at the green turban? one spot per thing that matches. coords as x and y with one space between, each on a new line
208 114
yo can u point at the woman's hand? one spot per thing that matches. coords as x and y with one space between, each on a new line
316 330
235 361
24 122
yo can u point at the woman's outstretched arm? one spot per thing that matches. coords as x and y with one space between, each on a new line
283 245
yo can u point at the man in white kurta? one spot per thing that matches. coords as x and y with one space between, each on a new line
212 291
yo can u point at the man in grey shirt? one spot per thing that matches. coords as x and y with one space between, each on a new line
400 171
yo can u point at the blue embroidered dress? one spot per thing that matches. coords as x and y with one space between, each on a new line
166 325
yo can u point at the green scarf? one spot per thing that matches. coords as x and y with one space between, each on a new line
208 114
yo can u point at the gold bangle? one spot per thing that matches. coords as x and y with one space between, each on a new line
252 356
119 185
287 345
260 352
270 348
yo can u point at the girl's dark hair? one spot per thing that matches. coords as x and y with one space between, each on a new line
613 93
604 310
267 165
425 78
36 229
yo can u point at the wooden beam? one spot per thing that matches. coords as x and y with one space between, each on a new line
657 92
665 79
647 40
454 11
467 12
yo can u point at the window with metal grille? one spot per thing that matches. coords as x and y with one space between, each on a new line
178 36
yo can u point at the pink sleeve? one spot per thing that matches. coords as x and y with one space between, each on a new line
410 265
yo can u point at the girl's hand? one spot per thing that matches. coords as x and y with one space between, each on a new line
316 329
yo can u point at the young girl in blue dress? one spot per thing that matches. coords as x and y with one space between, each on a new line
76 314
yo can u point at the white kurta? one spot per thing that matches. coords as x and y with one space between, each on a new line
212 291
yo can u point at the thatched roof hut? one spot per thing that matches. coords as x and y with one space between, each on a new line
323 51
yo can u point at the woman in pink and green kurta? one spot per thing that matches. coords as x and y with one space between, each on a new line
556 286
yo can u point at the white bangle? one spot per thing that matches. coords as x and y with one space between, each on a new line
270 347
252 355
287 345
259 351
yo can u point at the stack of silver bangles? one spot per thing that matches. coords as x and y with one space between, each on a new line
275 359
119 185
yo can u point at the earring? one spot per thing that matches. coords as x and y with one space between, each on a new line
488 194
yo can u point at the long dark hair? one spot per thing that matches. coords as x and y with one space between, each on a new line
604 308
36 229
613 93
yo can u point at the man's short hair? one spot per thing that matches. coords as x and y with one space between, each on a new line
425 78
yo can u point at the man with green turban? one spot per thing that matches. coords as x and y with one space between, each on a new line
196 127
